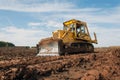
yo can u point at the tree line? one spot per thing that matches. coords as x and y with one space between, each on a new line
6 44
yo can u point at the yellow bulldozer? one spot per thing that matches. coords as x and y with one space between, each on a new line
73 39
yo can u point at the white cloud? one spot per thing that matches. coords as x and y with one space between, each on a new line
16 5
47 23
106 36
95 17
34 24
21 36
53 24
42 6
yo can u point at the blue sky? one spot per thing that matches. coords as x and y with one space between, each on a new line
25 22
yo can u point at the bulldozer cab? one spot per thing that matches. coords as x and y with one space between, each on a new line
79 28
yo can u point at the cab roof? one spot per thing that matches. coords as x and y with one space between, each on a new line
67 23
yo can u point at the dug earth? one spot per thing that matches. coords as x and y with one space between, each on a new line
22 64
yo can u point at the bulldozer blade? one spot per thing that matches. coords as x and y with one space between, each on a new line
49 49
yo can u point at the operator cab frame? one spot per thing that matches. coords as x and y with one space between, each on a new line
79 28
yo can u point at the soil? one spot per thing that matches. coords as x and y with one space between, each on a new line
22 64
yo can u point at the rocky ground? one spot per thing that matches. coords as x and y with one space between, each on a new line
22 64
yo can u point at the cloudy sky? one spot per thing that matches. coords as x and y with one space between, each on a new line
25 22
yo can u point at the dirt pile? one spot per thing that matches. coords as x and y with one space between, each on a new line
104 64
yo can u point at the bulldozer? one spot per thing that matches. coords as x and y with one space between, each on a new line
73 39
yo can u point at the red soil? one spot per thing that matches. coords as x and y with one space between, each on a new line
103 64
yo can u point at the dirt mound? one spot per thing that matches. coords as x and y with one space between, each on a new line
104 64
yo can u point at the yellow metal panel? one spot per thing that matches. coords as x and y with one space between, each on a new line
69 22
69 36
